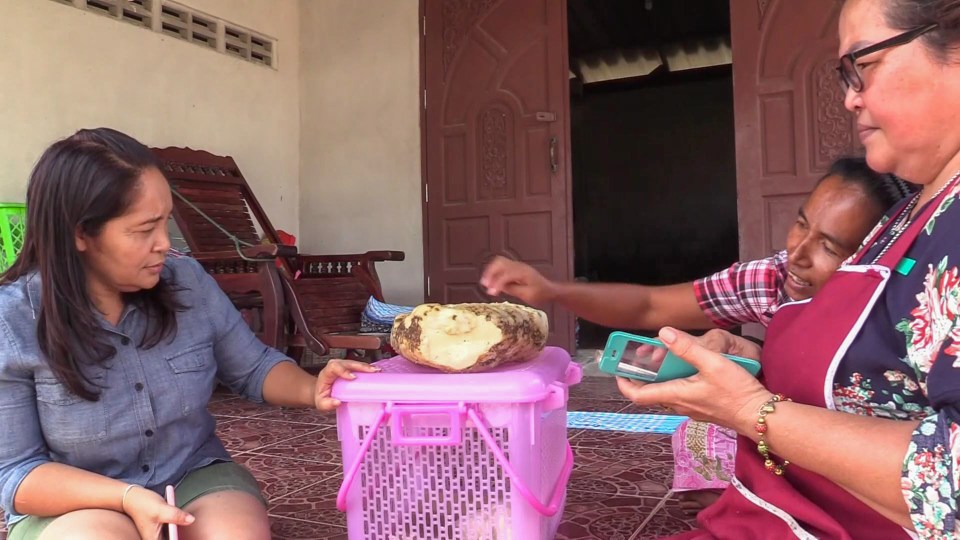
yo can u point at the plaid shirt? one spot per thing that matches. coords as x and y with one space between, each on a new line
746 292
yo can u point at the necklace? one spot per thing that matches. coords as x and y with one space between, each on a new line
904 219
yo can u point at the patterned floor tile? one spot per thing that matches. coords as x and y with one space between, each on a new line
280 476
605 388
649 444
610 518
303 416
319 446
596 405
668 520
253 433
316 502
596 388
291 529
614 473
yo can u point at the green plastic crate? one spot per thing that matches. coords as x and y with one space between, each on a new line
13 222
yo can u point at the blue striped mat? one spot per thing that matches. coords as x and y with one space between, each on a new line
636 423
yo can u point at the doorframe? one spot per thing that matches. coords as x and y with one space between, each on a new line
568 167
425 221
565 149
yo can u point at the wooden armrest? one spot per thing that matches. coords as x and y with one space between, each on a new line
353 341
370 256
385 256
260 251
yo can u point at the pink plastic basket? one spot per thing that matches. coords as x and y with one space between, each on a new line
430 455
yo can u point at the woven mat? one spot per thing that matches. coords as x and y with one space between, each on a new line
636 423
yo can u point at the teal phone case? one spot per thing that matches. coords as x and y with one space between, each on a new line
673 367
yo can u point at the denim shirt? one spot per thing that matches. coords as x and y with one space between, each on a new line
151 425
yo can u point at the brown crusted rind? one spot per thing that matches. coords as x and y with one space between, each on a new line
524 332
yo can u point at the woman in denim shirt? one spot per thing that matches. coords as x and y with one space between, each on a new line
109 353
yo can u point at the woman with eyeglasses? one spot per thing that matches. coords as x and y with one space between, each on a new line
853 430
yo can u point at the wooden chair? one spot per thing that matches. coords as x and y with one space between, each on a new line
322 296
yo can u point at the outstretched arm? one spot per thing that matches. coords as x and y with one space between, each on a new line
615 305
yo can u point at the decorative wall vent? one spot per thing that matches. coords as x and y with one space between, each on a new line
182 22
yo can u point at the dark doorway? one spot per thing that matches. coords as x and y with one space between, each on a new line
653 147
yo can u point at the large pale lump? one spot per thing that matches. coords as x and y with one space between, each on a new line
469 337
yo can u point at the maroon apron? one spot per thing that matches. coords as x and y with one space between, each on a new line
805 343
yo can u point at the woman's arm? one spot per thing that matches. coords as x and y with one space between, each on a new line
53 489
862 454
610 304
289 386
258 372
620 305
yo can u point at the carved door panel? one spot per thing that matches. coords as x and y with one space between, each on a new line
495 144
789 115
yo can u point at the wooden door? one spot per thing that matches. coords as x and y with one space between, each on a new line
789 115
496 132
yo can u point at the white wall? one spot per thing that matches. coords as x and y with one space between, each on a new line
330 141
62 69
360 135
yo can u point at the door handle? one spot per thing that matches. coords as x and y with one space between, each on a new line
554 166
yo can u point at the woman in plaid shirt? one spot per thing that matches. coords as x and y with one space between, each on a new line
831 224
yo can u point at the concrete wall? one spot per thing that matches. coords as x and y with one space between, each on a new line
62 69
360 135
330 141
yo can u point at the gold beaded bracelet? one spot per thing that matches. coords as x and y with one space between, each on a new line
761 427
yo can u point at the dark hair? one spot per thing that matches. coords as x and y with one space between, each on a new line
79 184
909 14
884 190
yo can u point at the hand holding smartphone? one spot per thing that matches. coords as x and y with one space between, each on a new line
649 360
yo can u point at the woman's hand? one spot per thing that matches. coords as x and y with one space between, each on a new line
150 512
721 392
517 279
336 369
724 342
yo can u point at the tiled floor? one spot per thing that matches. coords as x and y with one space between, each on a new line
619 489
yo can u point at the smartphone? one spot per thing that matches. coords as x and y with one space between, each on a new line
648 359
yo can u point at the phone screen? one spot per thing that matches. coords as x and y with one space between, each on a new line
641 360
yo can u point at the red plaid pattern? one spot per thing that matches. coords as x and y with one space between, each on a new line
746 292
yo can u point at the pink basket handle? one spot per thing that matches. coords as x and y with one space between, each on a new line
399 412
558 488
351 473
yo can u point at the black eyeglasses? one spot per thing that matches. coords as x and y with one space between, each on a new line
849 72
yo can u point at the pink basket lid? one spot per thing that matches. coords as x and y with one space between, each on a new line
402 380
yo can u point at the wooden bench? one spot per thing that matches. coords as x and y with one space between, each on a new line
293 301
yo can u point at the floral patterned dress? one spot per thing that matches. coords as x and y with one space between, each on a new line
905 365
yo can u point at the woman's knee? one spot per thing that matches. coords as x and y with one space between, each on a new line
91 525
227 515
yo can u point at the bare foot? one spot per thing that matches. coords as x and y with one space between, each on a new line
692 502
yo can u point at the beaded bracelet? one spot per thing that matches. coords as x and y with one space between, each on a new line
761 428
